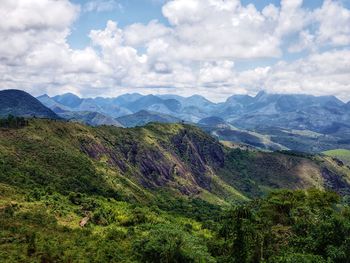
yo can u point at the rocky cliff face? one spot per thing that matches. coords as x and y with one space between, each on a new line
183 160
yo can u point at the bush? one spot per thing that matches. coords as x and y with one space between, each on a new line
166 243
13 122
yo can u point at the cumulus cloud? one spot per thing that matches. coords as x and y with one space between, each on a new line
334 24
34 53
215 29
321 74
26 25
199 51
101 6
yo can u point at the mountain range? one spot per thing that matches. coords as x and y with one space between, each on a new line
267 121
302 123
289 111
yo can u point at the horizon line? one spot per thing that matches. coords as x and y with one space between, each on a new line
185 97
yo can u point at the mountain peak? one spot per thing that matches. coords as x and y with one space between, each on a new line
21 103
260 94
68 99
70 94
243 99
44 96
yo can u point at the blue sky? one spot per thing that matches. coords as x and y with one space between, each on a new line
215 48
140 11
125 13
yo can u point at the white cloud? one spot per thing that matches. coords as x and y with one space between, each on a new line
321 74
140 34
200 52
34 53
330 24
27 24
306 41
292 17
216 72
334 24
101 6
216 29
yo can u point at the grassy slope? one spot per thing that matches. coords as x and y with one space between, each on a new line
342 154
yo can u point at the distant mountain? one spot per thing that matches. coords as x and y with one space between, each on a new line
71 102
197 101
20 103
143 117
126 99
347 106
90 118
154 103
68 99
212 121
191 109
271 120
280 110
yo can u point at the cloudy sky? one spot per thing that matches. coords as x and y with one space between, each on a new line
215 48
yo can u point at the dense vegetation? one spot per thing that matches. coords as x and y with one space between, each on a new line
13 122
163 193
287 226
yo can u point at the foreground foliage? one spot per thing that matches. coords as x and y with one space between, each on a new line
286 226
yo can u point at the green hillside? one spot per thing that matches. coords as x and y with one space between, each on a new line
137 163
159 193
342 154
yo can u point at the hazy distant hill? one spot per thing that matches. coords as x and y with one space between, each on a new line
90 118
20 103
288 111
212 121
143 117
269 121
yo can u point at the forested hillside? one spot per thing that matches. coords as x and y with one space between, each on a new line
163 193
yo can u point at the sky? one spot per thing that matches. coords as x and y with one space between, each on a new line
215 48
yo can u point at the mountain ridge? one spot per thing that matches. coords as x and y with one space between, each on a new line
179 97
178 158
267 121
22 104
264 120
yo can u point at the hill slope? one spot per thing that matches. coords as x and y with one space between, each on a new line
179 159
22 104
74 193
342 154
143 117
